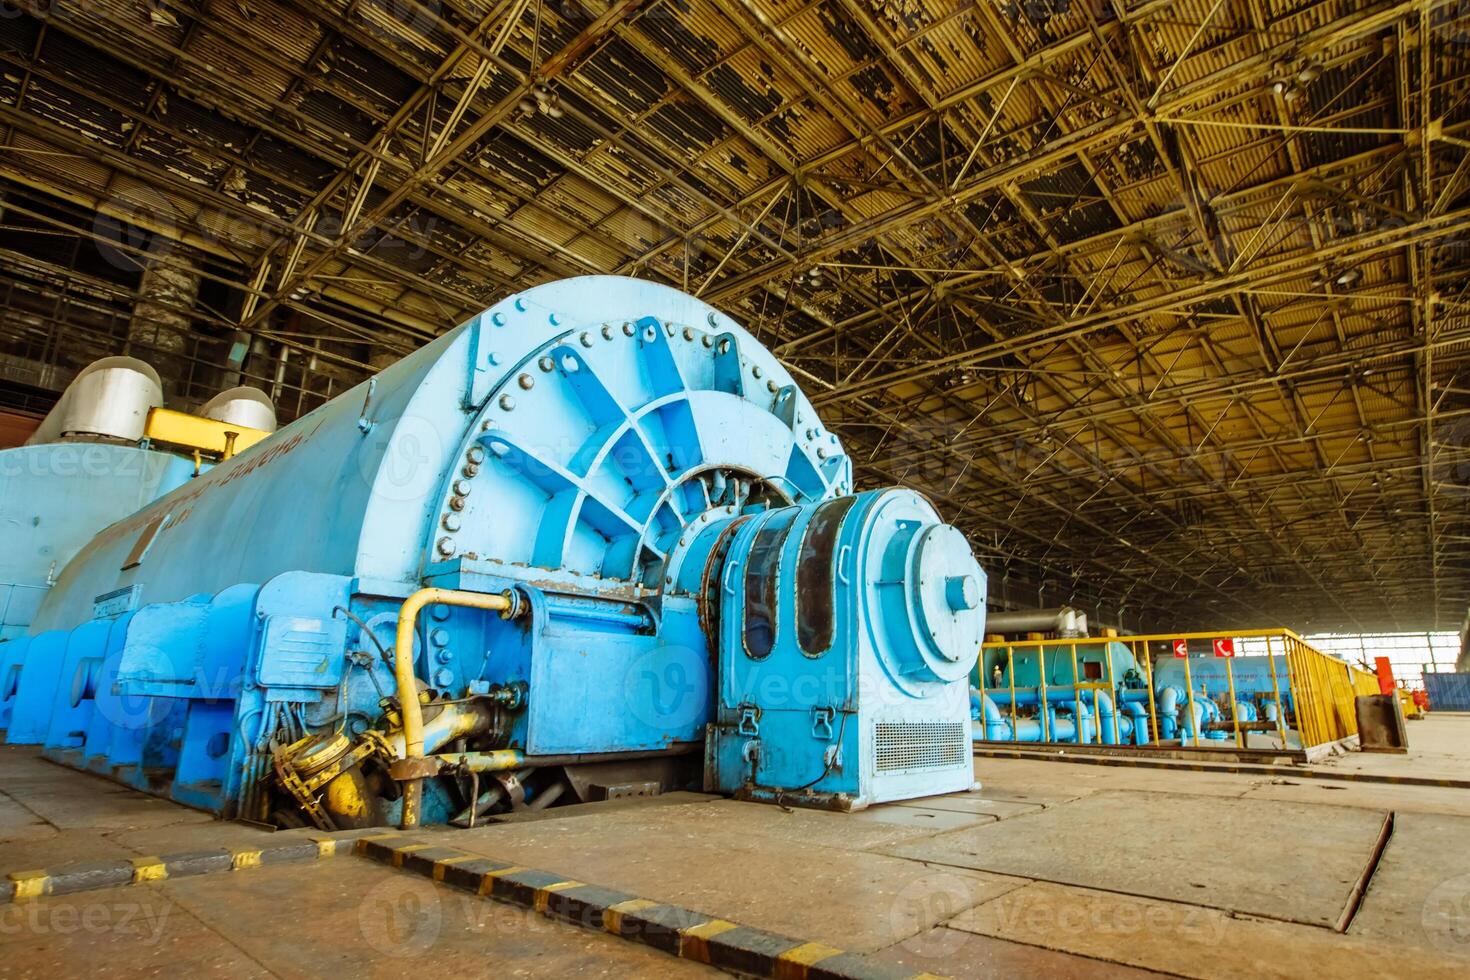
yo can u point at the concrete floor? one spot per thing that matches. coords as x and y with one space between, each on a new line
1054 869
340 918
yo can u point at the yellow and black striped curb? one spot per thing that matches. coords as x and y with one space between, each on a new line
675 930
86 876
1242 769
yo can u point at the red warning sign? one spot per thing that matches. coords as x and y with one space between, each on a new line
1181 648
1224 646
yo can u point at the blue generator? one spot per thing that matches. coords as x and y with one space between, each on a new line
592 543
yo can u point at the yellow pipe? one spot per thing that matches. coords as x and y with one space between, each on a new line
1011 672
1276 693
1153 711
1234 712
1077 698
1112 693
496 760
403 676
1045 706
1189 692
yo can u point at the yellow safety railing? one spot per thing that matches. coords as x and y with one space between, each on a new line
1070 691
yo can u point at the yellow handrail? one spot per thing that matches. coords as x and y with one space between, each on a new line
1322 688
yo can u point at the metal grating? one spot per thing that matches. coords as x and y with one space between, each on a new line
911 745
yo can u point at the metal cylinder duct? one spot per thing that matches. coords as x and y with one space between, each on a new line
243 406
1063 621
108 401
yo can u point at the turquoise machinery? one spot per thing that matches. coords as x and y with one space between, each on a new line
592 542
1033 693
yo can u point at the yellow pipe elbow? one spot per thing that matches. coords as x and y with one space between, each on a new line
405 681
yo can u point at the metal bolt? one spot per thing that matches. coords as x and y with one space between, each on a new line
439 636
627 328
446 547
456 503
607 333
520 304
757 371
688 333
498 319
462 487
707 340
507 403
712 318
554 319
475 454
451 522
545 364
526 382
471 469
586 339
771 386
821 454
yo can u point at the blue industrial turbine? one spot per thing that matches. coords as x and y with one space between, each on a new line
639 533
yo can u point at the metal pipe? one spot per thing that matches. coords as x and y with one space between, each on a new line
549 795
403 676
1234 705
500 760
1189 694
1148 680
1063 620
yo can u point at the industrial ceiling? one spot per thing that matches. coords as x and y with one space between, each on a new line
1165 302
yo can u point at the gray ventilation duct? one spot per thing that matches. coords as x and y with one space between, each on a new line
108 401
243 406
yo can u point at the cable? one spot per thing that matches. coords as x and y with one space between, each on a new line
826 768
382 652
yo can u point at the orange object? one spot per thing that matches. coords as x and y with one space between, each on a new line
1385 675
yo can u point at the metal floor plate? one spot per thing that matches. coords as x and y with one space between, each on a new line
1295 862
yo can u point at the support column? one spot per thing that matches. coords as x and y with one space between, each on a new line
162 322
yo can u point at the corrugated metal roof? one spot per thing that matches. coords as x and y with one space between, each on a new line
1189 284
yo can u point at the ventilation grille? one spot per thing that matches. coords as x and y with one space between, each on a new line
910 745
